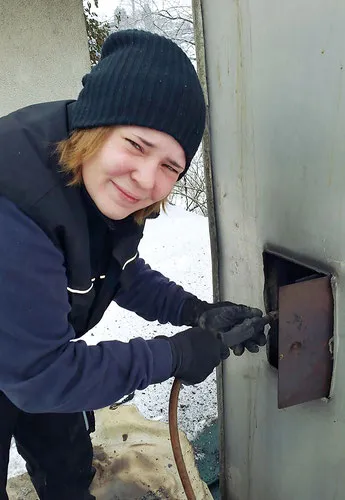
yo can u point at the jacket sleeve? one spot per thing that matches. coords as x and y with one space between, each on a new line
151 295
41 368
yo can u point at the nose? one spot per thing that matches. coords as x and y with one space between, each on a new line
145 175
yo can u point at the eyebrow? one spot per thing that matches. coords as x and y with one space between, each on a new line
151 145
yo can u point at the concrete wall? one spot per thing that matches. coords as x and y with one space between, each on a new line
276 86
43 52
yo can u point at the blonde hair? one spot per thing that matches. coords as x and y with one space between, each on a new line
82 145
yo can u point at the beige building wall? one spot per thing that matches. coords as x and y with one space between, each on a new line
44 51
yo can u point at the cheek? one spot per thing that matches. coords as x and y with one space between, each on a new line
163 187
91 174
117 165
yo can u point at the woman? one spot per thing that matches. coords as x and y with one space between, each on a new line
77 181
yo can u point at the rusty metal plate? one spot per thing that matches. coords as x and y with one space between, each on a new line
305 330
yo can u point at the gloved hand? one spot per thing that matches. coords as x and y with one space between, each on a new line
221 317
195 352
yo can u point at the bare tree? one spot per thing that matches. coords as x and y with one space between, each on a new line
190 191
161 16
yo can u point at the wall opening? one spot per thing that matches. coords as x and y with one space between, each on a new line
280 271
299 342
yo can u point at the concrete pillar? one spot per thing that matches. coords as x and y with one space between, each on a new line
275 73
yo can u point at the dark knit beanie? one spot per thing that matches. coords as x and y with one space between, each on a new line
146 80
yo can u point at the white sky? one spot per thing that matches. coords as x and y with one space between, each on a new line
106 7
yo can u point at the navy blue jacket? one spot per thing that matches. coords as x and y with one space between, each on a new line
43 368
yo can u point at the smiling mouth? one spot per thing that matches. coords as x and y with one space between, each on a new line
128 196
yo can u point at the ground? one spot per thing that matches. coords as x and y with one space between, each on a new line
176 244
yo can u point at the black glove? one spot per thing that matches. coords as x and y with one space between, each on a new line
221 317
195 352
246 334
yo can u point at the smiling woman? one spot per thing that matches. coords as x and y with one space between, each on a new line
125 169
126 176
77 181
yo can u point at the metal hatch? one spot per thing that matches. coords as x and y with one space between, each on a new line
305 331
299 343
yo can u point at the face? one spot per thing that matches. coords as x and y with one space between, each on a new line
135 168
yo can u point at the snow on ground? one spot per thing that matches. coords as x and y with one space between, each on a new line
177 245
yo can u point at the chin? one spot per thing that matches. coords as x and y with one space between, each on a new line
114 214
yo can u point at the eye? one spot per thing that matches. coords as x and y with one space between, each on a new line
135 145
171 168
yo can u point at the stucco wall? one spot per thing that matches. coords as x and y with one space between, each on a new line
43 52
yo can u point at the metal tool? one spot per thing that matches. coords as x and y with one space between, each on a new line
247 329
